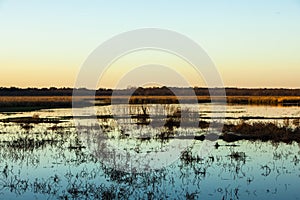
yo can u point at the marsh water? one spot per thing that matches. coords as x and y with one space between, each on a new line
50 159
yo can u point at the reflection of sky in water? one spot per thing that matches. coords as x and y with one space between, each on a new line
204 109
266 171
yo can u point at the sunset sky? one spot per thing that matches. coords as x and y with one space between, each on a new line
252 43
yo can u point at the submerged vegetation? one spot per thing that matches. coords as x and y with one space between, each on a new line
75 173
43 155
184 180
140 114
242 128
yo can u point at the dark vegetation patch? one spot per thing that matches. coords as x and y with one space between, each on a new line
260 131
152 91
17 99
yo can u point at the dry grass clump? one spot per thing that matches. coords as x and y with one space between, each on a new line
260 131
265 100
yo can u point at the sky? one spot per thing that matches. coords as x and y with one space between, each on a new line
252 43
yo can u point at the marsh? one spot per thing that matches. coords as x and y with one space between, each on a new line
44 156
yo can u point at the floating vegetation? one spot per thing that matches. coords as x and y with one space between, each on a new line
238 156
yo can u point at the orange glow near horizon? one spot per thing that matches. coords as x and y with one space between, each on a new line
253 45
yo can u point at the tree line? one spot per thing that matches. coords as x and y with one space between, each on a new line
151 91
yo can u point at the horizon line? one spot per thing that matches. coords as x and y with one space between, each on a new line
136 87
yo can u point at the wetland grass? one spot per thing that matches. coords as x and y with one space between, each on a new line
30 103
264 131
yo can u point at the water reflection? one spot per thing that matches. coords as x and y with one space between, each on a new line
49 161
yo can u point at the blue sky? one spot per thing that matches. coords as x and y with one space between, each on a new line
253 43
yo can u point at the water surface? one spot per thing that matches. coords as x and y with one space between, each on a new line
50 160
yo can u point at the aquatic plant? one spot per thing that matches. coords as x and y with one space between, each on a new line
264 131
